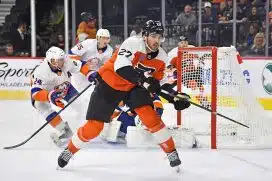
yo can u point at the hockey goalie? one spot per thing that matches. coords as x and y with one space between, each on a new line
192 70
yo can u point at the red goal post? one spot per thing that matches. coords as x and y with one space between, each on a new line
182 53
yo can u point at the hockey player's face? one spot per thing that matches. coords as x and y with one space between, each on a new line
154 41
60 63
183 44
57 63
103 41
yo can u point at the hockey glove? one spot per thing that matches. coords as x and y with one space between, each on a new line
151 84
55 97
179 103
92 77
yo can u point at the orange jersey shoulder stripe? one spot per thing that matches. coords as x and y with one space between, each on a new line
41 95
84 69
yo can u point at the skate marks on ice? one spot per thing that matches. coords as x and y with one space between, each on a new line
133 165
248 158
37 160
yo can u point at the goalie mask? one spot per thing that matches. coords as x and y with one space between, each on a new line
153 34
55 57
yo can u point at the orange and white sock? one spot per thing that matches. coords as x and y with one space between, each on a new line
155 125
84 134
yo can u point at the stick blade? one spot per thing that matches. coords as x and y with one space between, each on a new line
14 146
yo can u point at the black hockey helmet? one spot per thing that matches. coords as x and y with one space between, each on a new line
87 16
152 27
183 38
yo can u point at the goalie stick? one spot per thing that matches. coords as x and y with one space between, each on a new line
47 122
202 107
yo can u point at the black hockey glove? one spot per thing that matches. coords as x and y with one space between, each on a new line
151 84
179 103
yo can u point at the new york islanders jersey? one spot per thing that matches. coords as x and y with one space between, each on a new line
132 53
45 78
88 50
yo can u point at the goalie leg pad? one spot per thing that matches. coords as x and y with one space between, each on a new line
110 132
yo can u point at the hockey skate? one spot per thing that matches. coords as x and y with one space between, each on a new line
64 158
174 160
61 140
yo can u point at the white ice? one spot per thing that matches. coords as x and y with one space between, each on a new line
37 159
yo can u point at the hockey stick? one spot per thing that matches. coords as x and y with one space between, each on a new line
206 109
47 122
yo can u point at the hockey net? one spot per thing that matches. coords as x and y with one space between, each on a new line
214 78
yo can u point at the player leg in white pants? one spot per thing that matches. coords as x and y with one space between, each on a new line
80 82
63 131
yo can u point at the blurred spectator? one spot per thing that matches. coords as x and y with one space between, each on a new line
87 28
253 16
208 27
253 30
248 40
228 10
59 42
186 18
207 16
220 14
137 29
9 50
258 48
257 2
242 10
56 14
20 40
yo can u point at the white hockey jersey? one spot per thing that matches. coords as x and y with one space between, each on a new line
45 78
87 49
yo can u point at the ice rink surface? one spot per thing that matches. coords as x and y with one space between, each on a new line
37 159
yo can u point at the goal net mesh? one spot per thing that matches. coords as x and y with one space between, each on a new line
230 95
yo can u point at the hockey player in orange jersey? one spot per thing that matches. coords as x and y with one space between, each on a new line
87 28
130 75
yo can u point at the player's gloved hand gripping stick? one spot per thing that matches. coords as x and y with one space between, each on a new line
168 91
